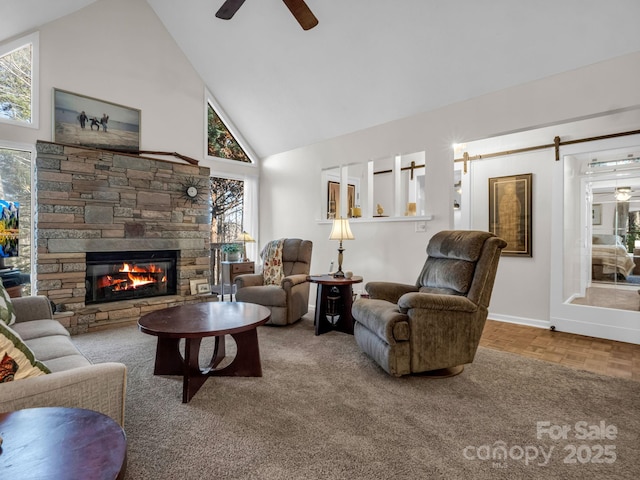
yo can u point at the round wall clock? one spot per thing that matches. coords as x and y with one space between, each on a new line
192 189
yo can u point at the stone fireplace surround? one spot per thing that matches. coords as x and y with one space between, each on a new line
91 200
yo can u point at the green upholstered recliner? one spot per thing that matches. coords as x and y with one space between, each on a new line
435 324
288 301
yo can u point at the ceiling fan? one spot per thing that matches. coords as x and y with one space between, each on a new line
298 8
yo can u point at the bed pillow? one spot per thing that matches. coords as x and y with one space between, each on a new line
7 314
606 239
18 361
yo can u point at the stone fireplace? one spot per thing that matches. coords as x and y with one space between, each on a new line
97 204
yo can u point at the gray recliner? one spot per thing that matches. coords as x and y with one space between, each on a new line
435 324
288 301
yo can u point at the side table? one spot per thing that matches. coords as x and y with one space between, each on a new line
13 280
636 261
58 442
333 303
230 270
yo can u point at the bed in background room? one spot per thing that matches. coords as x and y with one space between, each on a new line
609 258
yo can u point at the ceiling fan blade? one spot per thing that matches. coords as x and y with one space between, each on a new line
303 14
229 9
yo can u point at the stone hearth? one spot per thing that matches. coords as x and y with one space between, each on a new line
91 200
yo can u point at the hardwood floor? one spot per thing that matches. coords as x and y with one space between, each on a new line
608 357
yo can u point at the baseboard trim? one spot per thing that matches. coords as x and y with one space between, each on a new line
531 322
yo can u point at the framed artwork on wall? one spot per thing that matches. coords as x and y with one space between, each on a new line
596 214
510 212
90 122
333 199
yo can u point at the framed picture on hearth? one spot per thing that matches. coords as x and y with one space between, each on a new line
90 122
510 212
199 285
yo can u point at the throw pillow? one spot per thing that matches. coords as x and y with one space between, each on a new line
7 315
8 369
12 345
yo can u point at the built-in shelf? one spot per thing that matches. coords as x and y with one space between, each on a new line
422 218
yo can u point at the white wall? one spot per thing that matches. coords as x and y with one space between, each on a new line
119 51
527 272
394 251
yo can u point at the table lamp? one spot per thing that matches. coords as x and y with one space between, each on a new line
340 231
244 237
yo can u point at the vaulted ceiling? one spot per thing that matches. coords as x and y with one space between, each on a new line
368 61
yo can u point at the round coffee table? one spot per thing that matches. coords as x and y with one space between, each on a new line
58 442
193 322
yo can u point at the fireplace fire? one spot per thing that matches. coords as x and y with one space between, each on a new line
114 276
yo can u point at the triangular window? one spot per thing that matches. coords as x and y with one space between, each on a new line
220 141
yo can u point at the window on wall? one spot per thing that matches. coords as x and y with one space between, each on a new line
220 141
15 201
227 219
227 212
18 81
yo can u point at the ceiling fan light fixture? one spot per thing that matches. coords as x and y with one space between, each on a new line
623 194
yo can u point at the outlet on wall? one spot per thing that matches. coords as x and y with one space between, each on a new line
421 227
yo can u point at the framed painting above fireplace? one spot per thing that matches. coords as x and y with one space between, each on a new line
90 122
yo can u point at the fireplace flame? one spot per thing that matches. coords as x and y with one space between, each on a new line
140 280
136 277
126 267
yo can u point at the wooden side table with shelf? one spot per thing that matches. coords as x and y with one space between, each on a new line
333 303
230 270
636 261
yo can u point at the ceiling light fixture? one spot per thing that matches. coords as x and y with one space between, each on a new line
623 194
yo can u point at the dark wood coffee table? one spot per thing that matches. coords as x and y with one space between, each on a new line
193 322
333 303
58 442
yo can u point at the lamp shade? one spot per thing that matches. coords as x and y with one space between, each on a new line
341 230
245 237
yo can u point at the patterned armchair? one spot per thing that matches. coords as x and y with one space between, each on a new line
435 324
288 298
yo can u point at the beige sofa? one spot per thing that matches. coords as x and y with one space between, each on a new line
74 381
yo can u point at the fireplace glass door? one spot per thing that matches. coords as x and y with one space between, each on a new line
115 276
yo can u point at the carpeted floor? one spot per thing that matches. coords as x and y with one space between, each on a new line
323 410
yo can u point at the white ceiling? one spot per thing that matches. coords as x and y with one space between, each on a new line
368 61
